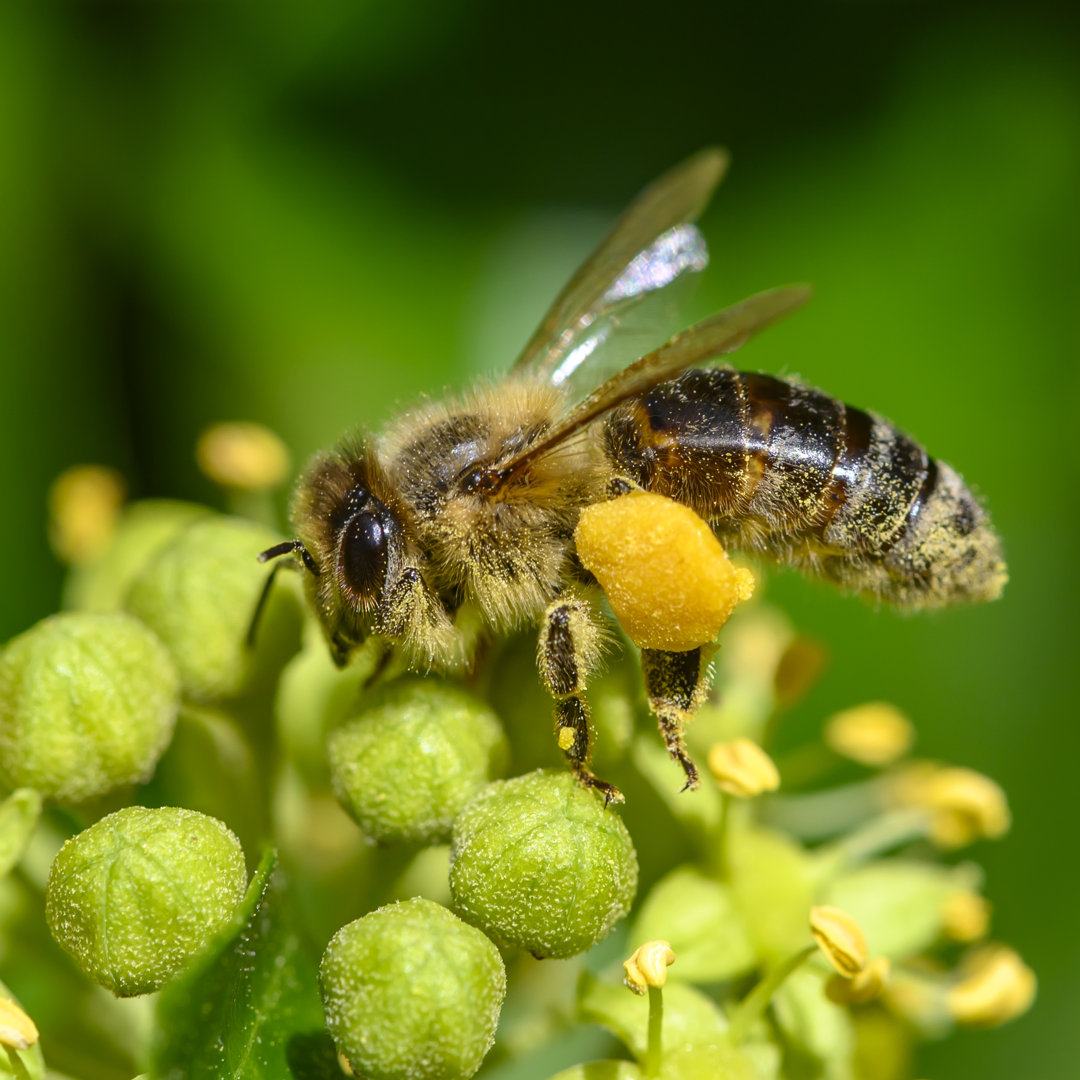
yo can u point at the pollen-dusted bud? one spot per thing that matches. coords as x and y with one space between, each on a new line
863 986
840 938
412 993
84 504
965 806
87 703
242 456
874 734
965 916
668 580
994 987
138 894
414 756
743 769
199 594
538 862
648 966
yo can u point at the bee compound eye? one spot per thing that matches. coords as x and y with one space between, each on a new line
363 552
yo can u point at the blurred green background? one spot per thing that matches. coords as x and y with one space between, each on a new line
307 214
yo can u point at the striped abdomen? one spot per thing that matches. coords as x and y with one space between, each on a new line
812 482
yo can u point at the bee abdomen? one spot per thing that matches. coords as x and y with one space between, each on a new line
812 482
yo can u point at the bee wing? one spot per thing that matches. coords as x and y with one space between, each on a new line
718 335
651 247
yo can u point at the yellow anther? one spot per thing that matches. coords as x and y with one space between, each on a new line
865 986
566 738
17 1030
243 456
966 916
995 986
648 966
874 734
965 805
840 938
84 504
667 578
743 769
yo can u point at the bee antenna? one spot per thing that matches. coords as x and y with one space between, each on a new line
285 548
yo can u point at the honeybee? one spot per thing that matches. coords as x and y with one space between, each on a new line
470 504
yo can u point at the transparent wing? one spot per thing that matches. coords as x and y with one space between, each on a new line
612 309
716 336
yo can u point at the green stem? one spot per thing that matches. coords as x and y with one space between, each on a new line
656 1027
753 1006
878 836
723 830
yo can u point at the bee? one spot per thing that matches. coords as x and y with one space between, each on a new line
463 511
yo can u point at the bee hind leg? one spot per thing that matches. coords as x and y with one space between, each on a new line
567 652
676 684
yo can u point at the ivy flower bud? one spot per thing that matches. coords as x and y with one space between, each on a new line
874 734
198 595
648 966
743 769
668 580
408 764
17 1030
965 916
864 986
138 894
87 703
537 862
965 806
412 993
242 456
84 504
840 938
994 987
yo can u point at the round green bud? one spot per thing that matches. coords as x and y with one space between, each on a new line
87 703
410 762
540 863
412 993
199 595
138 894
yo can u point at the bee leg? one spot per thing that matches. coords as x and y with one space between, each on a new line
676 684
567 652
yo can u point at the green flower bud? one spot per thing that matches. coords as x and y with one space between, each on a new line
412 993
143 530
538 862
199 594
138 894
408 764
87 703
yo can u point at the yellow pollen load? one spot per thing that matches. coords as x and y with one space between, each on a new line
741 768
84 505
17 1030
874 734
995 986
840 938
668 580
648 966
241 455
566 738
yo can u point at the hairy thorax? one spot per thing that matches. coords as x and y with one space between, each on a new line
507 550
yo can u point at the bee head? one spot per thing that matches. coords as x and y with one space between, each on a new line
349 520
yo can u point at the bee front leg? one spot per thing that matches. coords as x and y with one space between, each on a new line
676 684
567 653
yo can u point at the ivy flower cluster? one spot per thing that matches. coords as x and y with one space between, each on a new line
228 858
